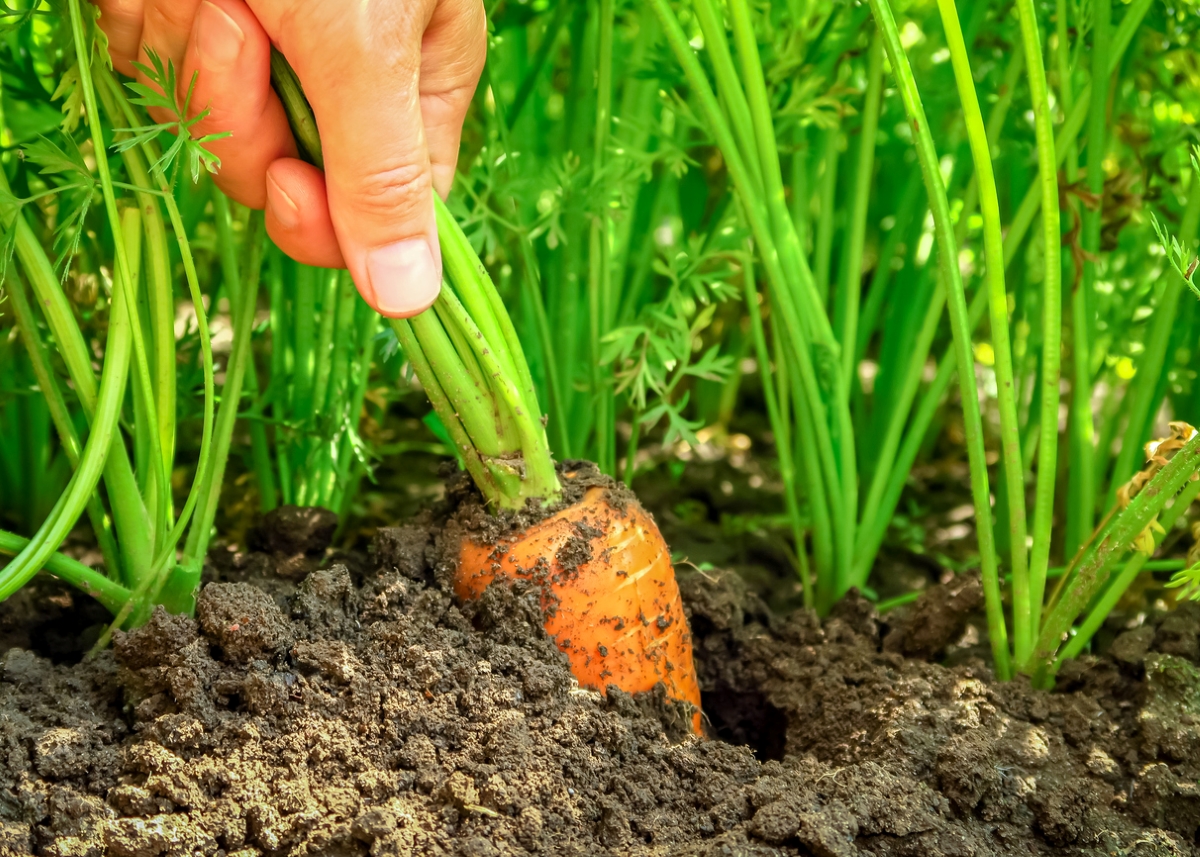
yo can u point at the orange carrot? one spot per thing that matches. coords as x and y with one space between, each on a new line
608 592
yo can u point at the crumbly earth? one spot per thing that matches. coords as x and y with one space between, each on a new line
360 710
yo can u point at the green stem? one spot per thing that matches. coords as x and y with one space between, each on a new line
881 278
993 248
537 477
1107 602
827 202
326 344
801 192
1013 240
803 284
549 40
103 435
1047 457
180 594
1062 57
276 394
473 286
794 297
801 454
850 292
897 418
995 126
875 528
787 470
835 438
1074 123
339 408
112 595
415 350
39 358
532 288
159 285
1094 572
459 374
961 327
129 516
260 449
304 322
829 584
733 96
166 546
295 106
350 468
157 482
599 265
1081 509
158 501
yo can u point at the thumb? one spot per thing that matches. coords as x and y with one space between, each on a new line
360 67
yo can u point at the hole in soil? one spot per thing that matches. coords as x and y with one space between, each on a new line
747 719
61 639
51 622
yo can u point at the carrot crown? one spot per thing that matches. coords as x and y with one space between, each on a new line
464 350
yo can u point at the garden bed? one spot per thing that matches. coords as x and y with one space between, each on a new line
347 705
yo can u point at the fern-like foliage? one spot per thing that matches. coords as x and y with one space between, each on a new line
653 356
1182 258
162 93
13 18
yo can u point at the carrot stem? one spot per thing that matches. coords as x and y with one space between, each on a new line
465 353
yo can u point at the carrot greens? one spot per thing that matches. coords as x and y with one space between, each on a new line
466 353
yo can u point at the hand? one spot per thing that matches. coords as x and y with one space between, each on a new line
390 82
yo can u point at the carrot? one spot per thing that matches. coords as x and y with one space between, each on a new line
608 592
608 589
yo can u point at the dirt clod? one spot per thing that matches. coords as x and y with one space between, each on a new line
294 530
293 539
936 619
1130 648
242 619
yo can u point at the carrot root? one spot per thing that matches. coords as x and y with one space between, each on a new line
608 591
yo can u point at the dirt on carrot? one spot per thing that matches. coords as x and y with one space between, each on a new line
606 587
361 711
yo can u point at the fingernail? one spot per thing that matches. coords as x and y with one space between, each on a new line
219 39
406 277
286 212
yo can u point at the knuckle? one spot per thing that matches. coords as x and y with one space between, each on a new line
454 60
121 16
397 190
448 105
173 16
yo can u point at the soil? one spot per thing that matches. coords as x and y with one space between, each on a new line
345 704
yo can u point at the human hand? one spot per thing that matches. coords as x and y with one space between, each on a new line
389 81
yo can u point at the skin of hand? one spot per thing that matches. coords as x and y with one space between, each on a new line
390 82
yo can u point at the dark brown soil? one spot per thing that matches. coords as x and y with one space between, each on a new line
356 709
